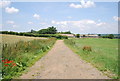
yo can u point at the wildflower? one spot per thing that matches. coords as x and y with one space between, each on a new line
9 62
6 59
3 60
6 65
14 64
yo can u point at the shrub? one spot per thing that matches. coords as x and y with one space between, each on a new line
84 36
111 36
61 37
78 35
87 48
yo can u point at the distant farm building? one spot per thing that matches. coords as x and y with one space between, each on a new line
81 35
68 35
89 36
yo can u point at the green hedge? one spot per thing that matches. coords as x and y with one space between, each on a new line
34 35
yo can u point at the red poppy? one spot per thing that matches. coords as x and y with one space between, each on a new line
3 60
14 65
9 62
5 65
6 59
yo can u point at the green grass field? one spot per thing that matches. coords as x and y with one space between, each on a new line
104 54
19 52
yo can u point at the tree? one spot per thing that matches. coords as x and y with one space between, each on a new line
43 31
33 31
50 30
84 36
99 35
111 36
67 32
78 35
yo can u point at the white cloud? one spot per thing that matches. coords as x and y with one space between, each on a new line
86 26
75 5
116 18
30 22
10 22
69 17
14 26
53 22
36 16
99 20
43 23
89 21
83 4
73 22
61 22
4 4
100 24
11 10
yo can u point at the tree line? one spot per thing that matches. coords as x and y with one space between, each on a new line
110 36
49 32
34 35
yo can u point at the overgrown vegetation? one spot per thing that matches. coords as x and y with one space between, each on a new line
104 54
17 56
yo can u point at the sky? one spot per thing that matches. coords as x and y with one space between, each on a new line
78 17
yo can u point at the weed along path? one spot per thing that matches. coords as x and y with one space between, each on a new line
62 63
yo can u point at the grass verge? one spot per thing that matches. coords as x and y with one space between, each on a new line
18 56
104 54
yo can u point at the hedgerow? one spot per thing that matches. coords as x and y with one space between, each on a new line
34 35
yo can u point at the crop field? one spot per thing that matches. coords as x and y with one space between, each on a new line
102 53
19 52
9 39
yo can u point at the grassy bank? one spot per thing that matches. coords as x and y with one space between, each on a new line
104 54
16 57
